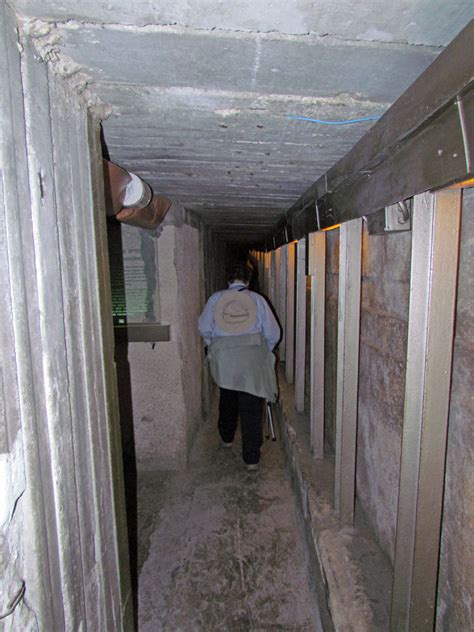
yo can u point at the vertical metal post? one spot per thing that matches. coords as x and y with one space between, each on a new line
267 268
317 270
273 277
300 341
261 271
290 314
282 299
435 252
276 297
347 368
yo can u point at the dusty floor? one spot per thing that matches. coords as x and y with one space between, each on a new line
219 547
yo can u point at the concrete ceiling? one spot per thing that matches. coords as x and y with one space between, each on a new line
201 90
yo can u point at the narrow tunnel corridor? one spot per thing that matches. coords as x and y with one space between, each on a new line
328 147
220 547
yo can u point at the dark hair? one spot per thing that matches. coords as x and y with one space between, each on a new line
240 271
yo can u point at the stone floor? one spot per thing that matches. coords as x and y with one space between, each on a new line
219 546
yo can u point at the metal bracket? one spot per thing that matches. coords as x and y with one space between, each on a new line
465 133
318 221
392 219
397 217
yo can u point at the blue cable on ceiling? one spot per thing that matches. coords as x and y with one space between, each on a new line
347 122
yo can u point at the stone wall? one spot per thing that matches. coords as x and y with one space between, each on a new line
383 341
456 584
383 337
166 378
187 261
213 253
63 552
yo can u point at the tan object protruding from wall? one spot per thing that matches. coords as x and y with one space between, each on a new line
149 216
115 184
131 199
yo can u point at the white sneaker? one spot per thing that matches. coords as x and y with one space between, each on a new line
227 445
252 466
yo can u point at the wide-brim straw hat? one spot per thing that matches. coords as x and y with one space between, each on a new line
235 312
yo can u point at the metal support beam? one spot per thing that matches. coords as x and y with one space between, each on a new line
426 138
267 273
317 270
347 369
435 252
261 271
273 277
300 341
281 307
290 314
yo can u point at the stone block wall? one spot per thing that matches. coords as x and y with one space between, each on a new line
382 363
456 583
214 254
166 380
187 261
383 341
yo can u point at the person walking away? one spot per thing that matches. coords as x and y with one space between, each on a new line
241 331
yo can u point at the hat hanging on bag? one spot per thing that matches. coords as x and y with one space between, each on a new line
235 312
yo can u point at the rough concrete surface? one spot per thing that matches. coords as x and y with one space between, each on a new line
220 546
158 405
155 374
188 265
383 340
351 573
166 378
200 92
13 516
430 23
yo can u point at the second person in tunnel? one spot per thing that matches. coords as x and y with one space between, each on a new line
241 331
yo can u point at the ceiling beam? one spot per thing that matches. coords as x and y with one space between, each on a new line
425 141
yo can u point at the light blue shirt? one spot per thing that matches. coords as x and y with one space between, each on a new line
265 321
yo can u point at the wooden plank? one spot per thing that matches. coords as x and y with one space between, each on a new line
433 157
9 411
273 277
347 369
290 314
420 142
107 456
282 299
300 333
449 75
69 452
317 270
23 393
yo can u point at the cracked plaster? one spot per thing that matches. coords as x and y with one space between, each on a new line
47 44
421 22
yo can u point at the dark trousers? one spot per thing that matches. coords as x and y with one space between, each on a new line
233 404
